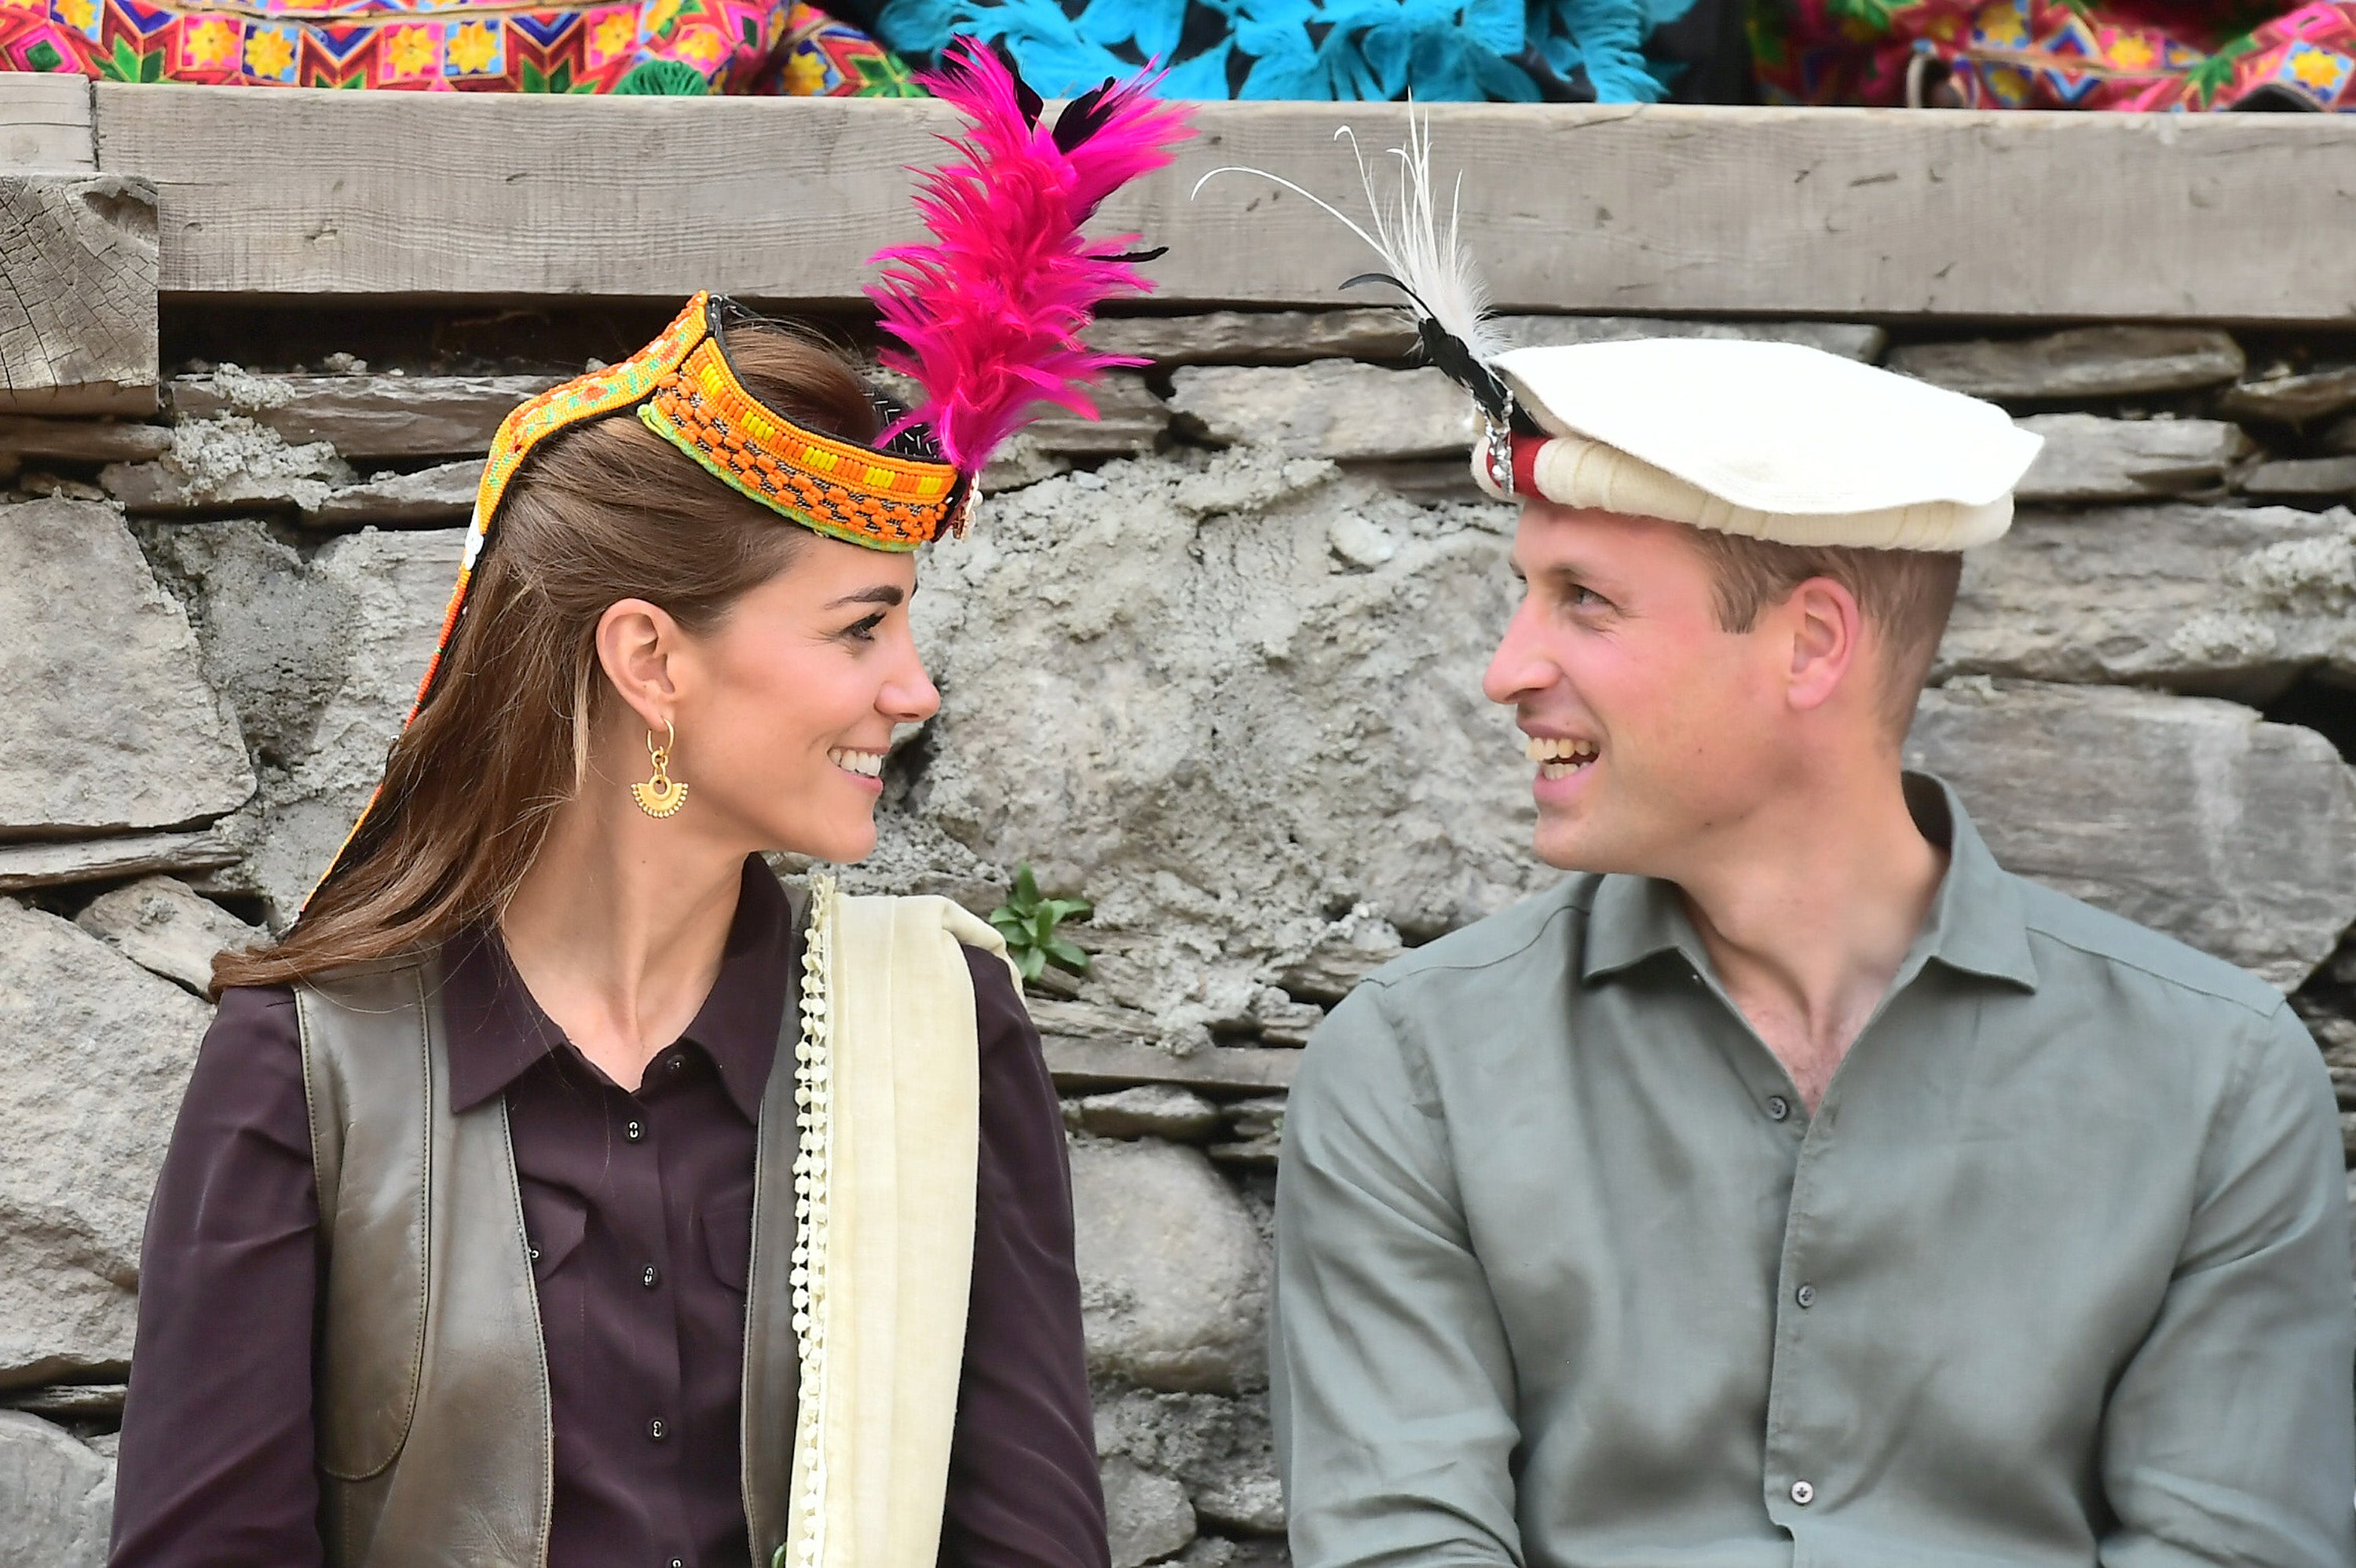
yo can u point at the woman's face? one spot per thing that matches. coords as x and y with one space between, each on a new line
785 709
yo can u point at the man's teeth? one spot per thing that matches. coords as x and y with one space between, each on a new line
1559 758
870 763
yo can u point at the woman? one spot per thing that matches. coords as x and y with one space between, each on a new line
560 1192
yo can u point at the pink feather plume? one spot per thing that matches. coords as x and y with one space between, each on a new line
989 313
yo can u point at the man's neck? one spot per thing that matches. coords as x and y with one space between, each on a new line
1808 910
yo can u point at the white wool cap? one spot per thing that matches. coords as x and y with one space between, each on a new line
1771 440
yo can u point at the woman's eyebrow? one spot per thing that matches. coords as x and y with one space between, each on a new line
881 593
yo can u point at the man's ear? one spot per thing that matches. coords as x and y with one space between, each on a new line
639 646
1826 631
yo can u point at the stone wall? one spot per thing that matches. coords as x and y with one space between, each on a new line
1213 662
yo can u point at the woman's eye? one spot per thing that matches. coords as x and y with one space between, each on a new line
864 630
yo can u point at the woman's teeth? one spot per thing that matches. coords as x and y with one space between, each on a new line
868 765
1557 758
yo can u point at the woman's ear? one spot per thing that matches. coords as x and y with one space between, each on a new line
641 648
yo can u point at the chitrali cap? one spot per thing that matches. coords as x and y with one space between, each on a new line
1770 439
987 318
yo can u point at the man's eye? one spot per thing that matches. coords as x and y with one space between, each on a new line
1584 598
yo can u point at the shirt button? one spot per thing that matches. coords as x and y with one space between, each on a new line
650 1277
1778 1107
1806 1295
634 1131
657 1431
1803 1493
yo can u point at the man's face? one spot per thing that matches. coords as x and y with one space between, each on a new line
1656 728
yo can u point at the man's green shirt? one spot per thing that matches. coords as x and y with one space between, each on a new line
2058 1272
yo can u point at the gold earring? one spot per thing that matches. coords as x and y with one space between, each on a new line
661 794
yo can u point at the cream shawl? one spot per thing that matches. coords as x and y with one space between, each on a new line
887 1094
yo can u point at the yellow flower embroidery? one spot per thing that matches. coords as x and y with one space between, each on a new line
474 46
209 44
269 53
2314 69
78 13
615 35
410 50
701 48
2132 54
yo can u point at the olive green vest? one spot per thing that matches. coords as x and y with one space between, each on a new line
432 1402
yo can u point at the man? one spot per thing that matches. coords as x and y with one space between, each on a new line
1793 1184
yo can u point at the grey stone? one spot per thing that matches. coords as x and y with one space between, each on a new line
1221 1448
2190 816
1129 419
364 416
1850 340
431 498
2228 600
1282 1020
96 1052
1359 543
2087 458
225 463
2337 439
1158 681
1078 1019
167 929
109 725
1148 1110
82 441
1333 409
2307 478
24 867
2082 362
2282 398
1343 955
1173 1272
1255 1132
1146 1516
57 1496
1256 337
321 660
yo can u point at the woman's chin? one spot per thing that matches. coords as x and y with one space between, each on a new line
840 843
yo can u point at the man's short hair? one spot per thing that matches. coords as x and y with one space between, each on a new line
1908 595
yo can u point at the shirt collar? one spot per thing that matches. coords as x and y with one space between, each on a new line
496 1032
1976 924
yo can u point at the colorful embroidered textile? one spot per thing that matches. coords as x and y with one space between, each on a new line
1440 51
477 46
2053 54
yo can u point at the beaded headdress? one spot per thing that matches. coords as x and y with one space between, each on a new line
987 316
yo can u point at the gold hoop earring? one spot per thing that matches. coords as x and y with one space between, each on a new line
661 796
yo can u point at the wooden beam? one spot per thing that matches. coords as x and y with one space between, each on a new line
78 313
46 126
1665 209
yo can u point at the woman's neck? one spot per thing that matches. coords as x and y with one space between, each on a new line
618 928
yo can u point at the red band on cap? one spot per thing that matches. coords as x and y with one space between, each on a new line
1526 463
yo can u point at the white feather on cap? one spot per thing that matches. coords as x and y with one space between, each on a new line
1771 440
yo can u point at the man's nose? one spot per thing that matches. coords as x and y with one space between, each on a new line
1518 667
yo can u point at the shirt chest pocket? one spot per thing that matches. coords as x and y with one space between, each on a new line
728 1243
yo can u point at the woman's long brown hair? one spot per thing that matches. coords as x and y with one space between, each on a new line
605 511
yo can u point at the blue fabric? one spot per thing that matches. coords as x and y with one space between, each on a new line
1437 50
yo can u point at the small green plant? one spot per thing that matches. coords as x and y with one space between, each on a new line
1028 922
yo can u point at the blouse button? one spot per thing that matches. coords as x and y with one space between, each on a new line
650 1276
634 1131
657 1431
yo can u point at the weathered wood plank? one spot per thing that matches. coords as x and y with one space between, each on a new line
46 126
1110 1064
1664 209
78 315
